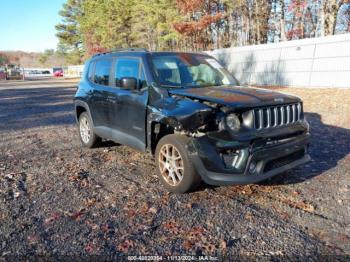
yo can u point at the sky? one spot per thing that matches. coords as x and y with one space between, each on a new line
29 25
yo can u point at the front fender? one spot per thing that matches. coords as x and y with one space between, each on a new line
180 113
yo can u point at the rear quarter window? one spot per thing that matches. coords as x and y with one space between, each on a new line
102 71
91 71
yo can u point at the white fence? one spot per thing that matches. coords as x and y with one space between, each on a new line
74 71
318 62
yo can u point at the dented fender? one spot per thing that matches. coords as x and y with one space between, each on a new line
181 114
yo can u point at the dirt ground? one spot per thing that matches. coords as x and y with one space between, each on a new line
58 199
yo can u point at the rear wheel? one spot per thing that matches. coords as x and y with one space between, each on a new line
86 132
175 170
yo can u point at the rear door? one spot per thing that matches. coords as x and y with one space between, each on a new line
101 81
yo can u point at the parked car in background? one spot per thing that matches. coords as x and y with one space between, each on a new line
192 115
58 73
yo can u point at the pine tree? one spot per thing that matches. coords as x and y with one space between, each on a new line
153 24
68 33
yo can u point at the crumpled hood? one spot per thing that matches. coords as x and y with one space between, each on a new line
235 96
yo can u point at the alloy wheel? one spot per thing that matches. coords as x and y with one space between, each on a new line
171 164
85 130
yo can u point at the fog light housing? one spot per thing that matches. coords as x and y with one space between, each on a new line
235 159
252 167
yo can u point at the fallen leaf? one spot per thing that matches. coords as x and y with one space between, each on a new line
131 212
77 215
196 233
89 248
188 244
152 210
209 248
223 244
90 202
249 216
126 245
171 226
52 218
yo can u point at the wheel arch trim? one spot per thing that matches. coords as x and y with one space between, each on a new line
78 103
154 119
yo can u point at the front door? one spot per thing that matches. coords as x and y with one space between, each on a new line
128 114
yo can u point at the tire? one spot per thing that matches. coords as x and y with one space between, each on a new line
174 169
86 131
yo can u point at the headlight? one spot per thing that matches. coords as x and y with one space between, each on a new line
233 122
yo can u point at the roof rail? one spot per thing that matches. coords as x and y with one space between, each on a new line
130 49
115 50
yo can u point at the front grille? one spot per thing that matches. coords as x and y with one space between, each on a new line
276 116
285 160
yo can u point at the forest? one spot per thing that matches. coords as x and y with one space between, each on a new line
91 26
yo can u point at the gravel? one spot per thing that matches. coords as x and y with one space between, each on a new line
59 199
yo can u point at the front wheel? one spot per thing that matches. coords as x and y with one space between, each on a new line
174 168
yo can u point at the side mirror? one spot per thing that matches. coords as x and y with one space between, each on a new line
128 83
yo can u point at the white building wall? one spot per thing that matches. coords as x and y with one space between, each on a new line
317 62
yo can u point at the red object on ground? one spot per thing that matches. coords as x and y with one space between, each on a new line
58 73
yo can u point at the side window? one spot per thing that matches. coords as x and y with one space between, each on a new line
91 71
126 67
102 71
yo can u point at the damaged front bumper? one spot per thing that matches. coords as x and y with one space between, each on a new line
225 162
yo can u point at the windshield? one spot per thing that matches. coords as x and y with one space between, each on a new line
190 70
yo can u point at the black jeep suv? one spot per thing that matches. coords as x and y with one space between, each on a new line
192 115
